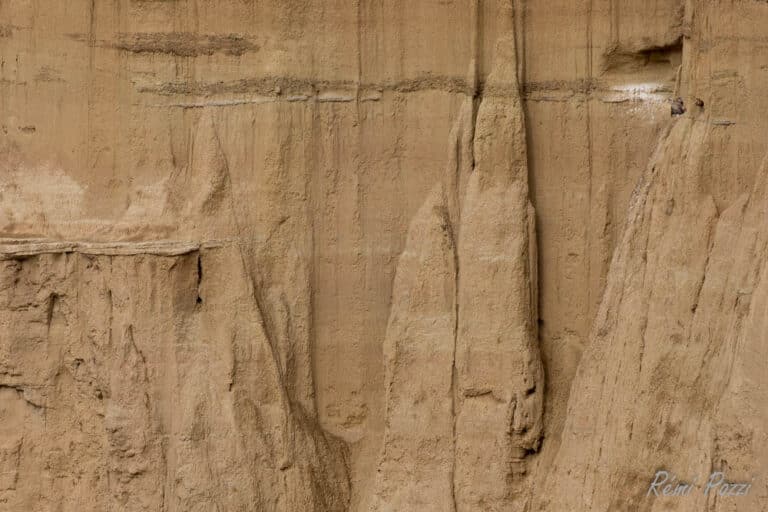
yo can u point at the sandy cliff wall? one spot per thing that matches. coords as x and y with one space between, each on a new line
670 379
133 380
398 218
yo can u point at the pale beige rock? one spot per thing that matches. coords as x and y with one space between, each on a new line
152 389
500 379
464 376
415 470
666 382
669 380
291 146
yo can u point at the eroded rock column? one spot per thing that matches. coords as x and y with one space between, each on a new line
464 374
500 380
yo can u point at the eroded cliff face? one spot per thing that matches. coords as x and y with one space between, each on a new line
680 330
670 380
133 381
320 256
464 380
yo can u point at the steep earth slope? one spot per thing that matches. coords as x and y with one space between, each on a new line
284 255
132 380
671 380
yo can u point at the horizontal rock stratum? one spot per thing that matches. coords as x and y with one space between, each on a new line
392 256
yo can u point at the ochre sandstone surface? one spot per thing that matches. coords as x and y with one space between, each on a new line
443 256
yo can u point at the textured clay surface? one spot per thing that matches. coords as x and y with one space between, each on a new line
383 256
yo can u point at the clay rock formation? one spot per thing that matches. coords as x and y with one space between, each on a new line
464 375
679 330
669 381
151 389
199 195
500 379
239 270
415 471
